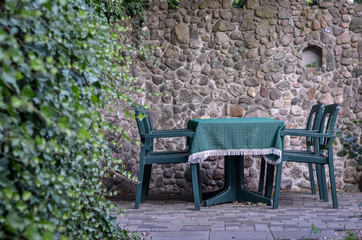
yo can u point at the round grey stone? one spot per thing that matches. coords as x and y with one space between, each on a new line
275 94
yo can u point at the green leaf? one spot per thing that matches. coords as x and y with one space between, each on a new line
31 232
8 192
75 90
9 75
141 116
82 14
84 134
37 64
39 140
21 206
94 99
43 1
63 237
14 223
64 122
26 195
114 36
19 75
46 111
15 102
27 92
3 35
63 2
47 236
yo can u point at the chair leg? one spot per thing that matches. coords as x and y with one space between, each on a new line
195 185
324 183
319 181
277 185
262 176
311 177
139 185
146 181
333 183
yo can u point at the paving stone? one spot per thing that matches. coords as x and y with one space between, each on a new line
195 229
223 235
276 228
201 235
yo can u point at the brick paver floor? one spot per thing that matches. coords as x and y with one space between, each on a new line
172 216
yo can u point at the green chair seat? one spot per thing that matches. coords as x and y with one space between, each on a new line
304 156
167 157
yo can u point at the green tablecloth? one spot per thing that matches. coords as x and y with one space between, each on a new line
236 136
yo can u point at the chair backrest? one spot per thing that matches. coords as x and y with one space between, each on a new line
314 120
144 121
315 116
327 124
145 125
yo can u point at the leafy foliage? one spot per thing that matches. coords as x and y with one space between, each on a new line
173 4
315 230
133 8
60 62
311 65
238 3
351 144
312 2
351 236
121 8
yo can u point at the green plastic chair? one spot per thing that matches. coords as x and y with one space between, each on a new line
313 122
148 156
322 154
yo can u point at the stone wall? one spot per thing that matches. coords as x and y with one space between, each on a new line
213 61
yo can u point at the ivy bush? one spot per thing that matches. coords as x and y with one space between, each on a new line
60 62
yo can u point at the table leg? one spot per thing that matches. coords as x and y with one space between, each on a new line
232 182
262 176
234 189
269 180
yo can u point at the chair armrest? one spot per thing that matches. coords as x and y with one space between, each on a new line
292 132
169 133
297 129
305 133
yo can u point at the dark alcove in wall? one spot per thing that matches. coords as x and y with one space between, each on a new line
312 57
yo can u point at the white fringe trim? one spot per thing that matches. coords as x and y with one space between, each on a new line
201 156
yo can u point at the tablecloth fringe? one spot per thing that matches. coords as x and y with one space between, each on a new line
201 156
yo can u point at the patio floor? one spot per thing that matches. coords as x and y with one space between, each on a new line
172 216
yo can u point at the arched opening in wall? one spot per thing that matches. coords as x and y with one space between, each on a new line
312 57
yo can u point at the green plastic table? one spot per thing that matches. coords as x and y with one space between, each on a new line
234 138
